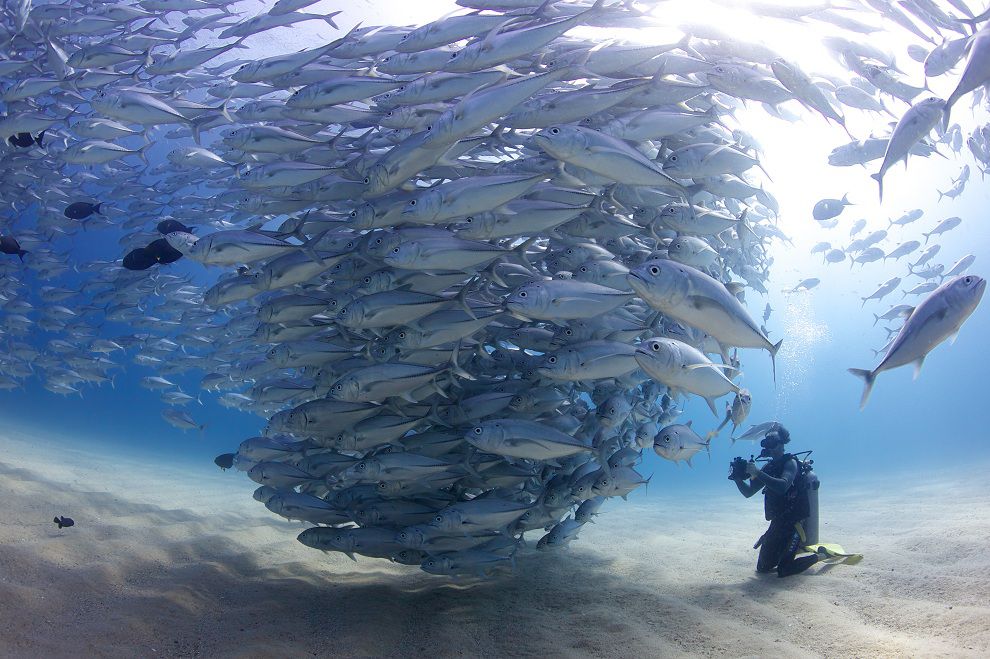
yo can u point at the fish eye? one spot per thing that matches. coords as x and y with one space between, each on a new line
453 55
402 335
477 431
522 293
655 347
429 128
968 280
412 202
568 332
673 158
654 270
395 251
552 360
367 180
555 131
438 519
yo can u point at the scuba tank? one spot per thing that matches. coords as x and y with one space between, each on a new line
810 524
801 500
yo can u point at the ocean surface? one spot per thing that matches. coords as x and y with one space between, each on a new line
912 429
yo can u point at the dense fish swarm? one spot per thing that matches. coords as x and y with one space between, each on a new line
469 268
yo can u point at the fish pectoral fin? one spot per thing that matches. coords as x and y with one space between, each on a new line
557 301
725 367
701 302
917 366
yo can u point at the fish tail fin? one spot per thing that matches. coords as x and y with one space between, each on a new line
878 177
21 253
455 367
774 349
876 319
947 110
869 377
142 153
329 19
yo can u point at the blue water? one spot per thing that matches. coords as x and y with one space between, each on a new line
935 422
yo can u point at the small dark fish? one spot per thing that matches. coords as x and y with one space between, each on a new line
9 245
25 140
157 251
225 461
64 522
169 226
80 210
139 259
163 252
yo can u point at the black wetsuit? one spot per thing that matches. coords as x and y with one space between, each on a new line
780 543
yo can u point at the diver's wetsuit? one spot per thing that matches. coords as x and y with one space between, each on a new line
781 542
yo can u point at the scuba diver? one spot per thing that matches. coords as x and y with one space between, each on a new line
790 492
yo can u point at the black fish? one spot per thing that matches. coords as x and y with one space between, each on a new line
24 140
63 522
80 210
9 245
168 226
139 259
224 461
163 252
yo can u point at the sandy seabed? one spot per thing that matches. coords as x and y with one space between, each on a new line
173 560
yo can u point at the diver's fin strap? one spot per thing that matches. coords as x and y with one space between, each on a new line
800 531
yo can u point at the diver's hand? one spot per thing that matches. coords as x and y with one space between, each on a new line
752 471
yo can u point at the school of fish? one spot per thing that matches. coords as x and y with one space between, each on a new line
467 270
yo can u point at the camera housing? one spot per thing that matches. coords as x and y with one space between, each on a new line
737 469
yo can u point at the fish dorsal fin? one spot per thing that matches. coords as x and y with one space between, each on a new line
688 424
490 37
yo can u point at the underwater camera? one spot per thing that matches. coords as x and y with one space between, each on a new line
737 468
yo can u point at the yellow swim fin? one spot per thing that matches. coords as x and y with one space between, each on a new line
833 553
